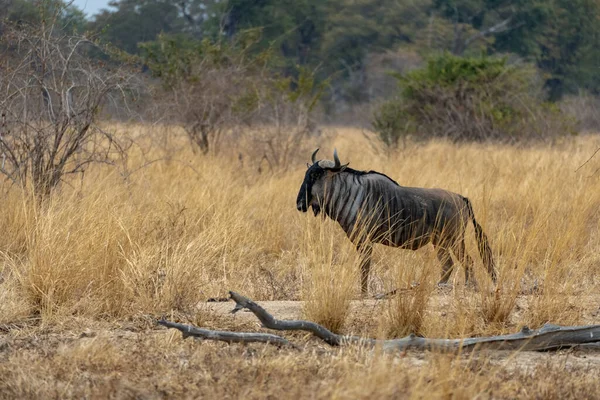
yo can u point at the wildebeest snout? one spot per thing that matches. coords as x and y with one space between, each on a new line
301 200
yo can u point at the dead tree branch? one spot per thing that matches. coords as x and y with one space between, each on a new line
546 338
270 322
229 337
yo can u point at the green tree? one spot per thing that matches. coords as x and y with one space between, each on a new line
506 22
355 28
293 27
130 22
468 98
136 21
569 47
69 18
561 36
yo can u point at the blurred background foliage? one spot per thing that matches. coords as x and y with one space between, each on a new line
381 62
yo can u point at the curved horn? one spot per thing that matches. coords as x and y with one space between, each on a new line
312 158
338 164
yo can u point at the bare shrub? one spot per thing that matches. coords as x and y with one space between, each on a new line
585 109
208 87
282 131
52 93
224 97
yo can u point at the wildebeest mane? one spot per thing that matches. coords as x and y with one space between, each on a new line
359 174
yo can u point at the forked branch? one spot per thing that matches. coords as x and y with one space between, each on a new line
546 338
225 336
270 322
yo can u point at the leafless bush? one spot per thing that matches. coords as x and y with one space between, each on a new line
207 88
222 94
204 108
282 124
52 93
585 109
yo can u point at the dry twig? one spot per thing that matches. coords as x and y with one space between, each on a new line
229 337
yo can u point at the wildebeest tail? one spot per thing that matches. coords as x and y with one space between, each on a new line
482 242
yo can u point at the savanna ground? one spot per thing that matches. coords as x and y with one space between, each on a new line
84 276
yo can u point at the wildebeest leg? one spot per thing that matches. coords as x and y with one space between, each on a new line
466 261
365 251
443 254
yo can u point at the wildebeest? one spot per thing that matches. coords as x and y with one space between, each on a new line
372 208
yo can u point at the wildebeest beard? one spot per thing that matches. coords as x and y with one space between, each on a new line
316 208
313 173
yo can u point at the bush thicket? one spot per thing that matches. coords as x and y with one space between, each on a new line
469 98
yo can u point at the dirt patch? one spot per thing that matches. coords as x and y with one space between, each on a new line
137 359
589 306
84 359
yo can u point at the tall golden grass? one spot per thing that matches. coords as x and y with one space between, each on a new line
179 231
161 237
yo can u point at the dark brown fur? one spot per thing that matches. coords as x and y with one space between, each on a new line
372 208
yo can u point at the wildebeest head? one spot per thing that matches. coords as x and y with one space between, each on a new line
312 190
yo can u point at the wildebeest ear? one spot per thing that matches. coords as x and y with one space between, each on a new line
341 168
307 165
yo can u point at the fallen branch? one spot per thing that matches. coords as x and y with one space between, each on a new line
546 338
229 337
268 321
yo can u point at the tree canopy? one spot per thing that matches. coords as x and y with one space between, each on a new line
337 37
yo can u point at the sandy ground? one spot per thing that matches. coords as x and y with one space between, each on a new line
138 359
293 309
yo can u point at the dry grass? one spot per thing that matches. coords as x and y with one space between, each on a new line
331 274
406 312
113 363
112 247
